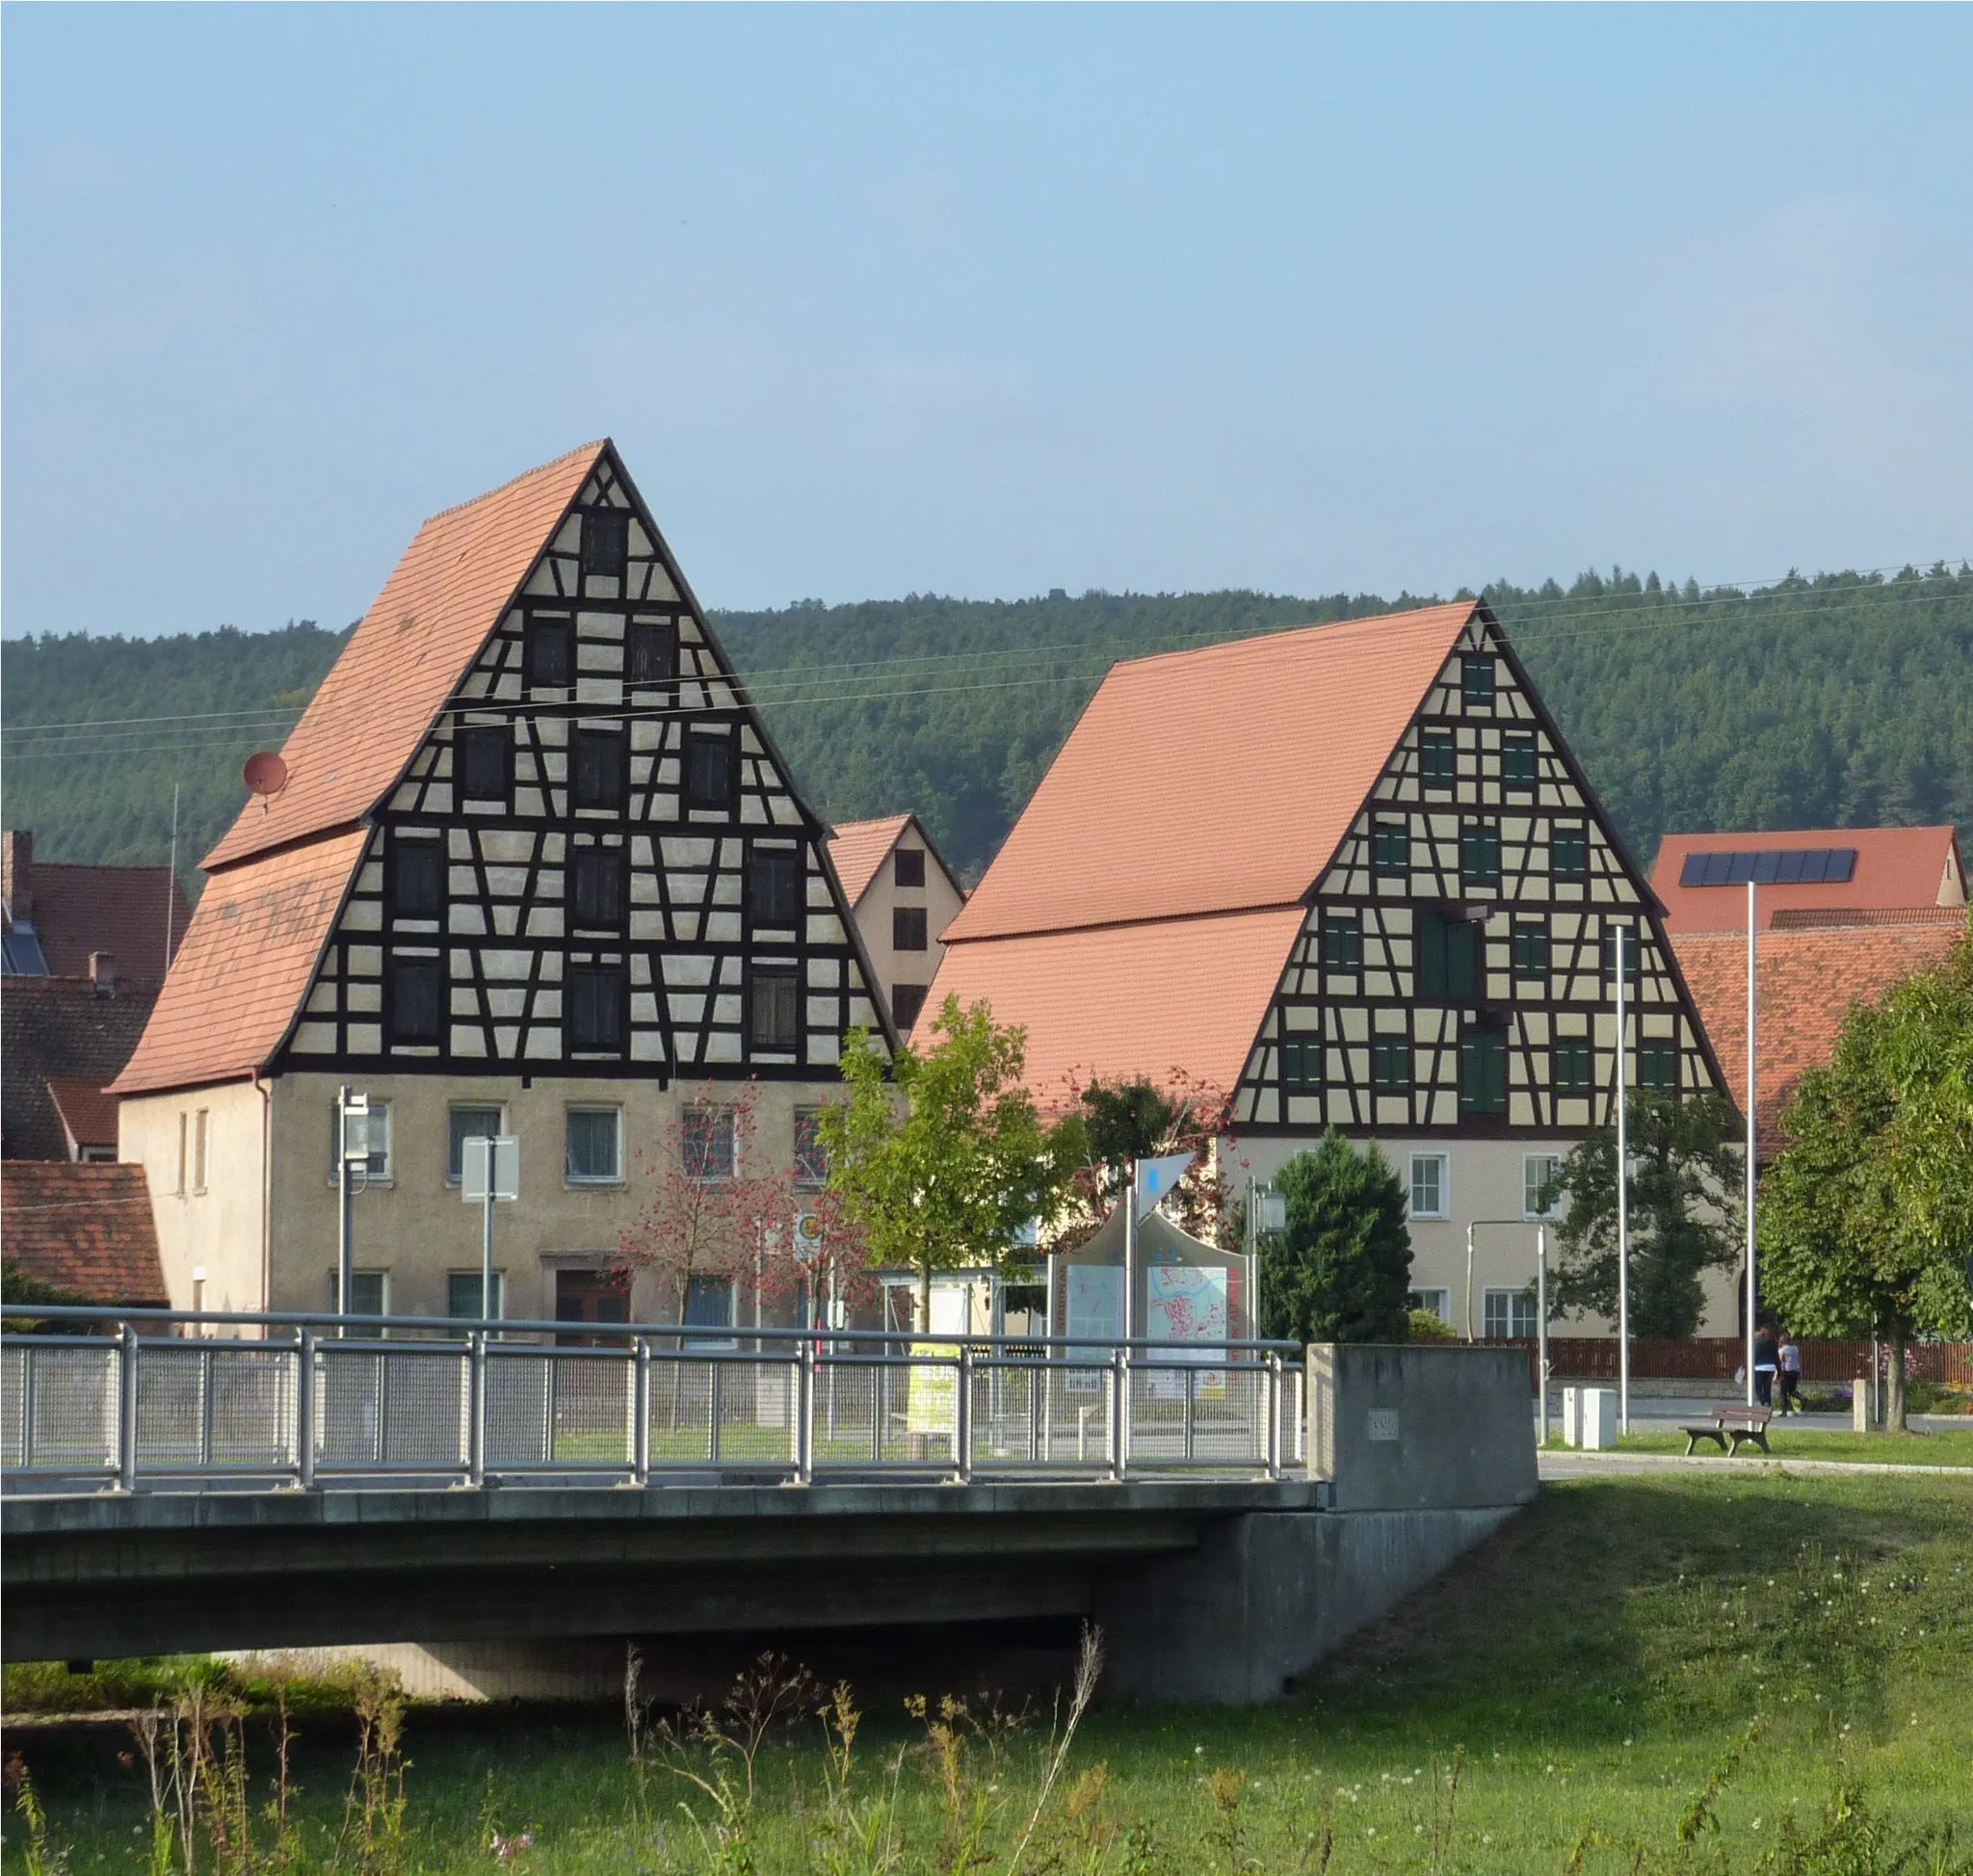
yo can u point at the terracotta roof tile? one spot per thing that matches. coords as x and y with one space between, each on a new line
59 1026
1131 1000
120 910
88 1113
245 967
379 702
858 849
1212 781
1896 868
86 1229
1808 980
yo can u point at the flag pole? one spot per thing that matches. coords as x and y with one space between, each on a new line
1752 1291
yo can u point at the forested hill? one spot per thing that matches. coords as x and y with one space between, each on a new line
1847 698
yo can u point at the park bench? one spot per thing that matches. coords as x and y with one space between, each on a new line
1737 1423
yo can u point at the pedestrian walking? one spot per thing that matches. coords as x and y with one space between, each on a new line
1766 1359
1790 1371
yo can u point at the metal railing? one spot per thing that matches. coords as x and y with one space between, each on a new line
315 1401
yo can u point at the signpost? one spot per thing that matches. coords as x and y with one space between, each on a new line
351 1152
490 1171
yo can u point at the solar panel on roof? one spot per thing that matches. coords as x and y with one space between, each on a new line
1772 866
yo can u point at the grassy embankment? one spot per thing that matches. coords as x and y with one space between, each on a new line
1785 1443
1589 1668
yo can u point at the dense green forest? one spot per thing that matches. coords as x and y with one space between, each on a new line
1846 698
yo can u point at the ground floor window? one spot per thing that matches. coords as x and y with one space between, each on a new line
1509 1313
369 1292
1431 1189
708 1303
1539 1171
462 1295
1434 1303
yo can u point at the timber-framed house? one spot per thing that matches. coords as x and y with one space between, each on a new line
537 866
1350 875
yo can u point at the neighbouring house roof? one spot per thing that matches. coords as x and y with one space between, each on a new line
1807 981
243 968
1896 869
58 1029
858 849
1213 781
407 657
75 910
85 1109
86 1229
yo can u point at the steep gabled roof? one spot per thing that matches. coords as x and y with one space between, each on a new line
53 1027
1215 781
858 849
125 910
85 1110
85 1229
1897 869
406 658
245 967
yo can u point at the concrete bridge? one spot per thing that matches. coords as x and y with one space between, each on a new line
1226 1521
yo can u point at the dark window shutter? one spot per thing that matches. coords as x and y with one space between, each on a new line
908 928
417 1000
606 544
651 655
907 866
602 768
484 762
549 652
907 1000
774 995
708 771
597 886
775 876
417 884
594 1007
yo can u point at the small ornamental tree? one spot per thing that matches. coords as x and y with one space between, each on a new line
1866 1215
1684 1205
1112 1123
939 1158
1341 1271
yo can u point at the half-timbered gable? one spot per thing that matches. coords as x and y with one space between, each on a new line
1455 969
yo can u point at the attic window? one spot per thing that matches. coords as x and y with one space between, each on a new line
417 1000
601 769
606 544
1438 762
1476 679
907 866
485 763
708 771
417 882
652 653
550 655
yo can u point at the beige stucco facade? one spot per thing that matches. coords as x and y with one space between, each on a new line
938 897
210 1204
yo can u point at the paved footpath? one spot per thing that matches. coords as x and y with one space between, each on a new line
1581 1465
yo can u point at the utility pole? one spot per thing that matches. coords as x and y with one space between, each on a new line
172 882
1752 1291
1622 1205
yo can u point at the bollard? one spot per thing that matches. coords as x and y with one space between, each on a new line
1860 1416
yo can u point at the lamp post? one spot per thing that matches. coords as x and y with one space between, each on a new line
1753 1292
351 1152
1623 1204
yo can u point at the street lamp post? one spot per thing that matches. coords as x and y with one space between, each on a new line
1623 1204
1751 1291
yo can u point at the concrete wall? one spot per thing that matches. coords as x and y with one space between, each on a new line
1421 1427
220 1226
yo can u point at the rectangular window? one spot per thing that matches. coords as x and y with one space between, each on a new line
376 1139
1569 853
708 1303
708 1143
1538 1171
906 1001
811 1163
462 1296
184 1159
1476 679
1302 1065
1482 1072
1531 950
650 652
549 654
907 867
908 928
1390 1064
606 544
485 762
1509 1315
1630 956
595 887
1658 1067
592 1006
774 1007
369 1292
1479 853
1434 1303
417 1000
464 1123
708 771
601 761
202 1146
596 1146
1431 1188
1572 1067
417 878
1342 941
1448 963
774 887
1438 762
1390 850
1518 759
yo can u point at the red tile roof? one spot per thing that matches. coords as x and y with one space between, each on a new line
414 645
858 849
1212 781
86 1229
1127 1000
245 967
1806 980
59 1027
120 910
88 1113
1897 868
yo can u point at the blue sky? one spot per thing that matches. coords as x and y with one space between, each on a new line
981 301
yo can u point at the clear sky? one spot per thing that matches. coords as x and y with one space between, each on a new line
982 302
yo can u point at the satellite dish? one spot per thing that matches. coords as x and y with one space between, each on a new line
266 775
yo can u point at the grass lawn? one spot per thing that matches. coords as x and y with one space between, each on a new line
1954 1448
1590 1666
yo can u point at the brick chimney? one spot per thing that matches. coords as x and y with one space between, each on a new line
17 874
102 973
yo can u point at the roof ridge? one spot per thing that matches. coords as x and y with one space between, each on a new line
553 463
1257 641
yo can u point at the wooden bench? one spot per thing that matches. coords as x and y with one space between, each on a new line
1742 1425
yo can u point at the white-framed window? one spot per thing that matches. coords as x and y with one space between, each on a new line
1432 1186
464 1123
369 1292
811 1162
377 1166
596 1146
1434 1303
463 1294
709 1139
1536 1170
1509 1313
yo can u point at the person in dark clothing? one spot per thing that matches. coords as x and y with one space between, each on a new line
1766 1359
